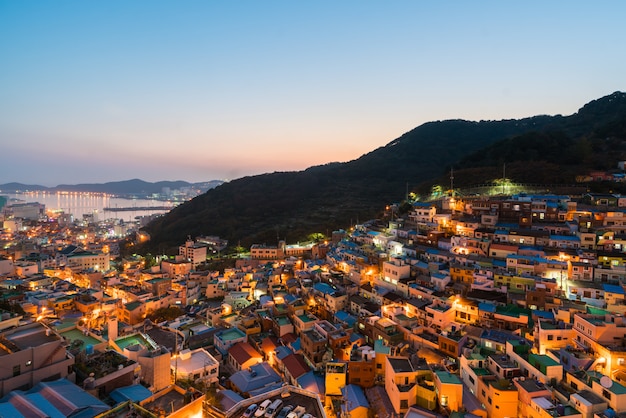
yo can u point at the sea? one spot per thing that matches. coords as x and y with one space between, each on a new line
79 204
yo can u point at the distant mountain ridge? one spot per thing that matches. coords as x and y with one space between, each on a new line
126 187
291 205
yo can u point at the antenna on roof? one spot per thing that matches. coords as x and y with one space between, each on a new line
452 181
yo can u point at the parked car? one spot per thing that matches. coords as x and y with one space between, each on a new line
283 412
297 413
250 411
261 411
273 409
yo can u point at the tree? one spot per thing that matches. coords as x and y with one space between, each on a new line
165 314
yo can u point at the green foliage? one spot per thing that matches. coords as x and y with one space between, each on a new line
165 314
7 306
316 237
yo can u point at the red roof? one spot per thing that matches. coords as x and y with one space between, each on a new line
242 352
508 247
296 365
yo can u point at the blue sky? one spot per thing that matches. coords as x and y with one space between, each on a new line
96 91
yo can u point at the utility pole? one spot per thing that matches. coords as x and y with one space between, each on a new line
503 176
452 181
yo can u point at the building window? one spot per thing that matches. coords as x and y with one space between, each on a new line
404 404
16 370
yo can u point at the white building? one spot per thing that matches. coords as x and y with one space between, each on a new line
196 253
195 365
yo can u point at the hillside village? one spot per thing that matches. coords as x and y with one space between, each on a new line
482 306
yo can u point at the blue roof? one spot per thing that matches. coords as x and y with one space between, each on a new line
354 398
508 225
345 317
499 263
282 352
324 288
58 398
289 298
487 307
565 237
262 375
135 393
613 288
41 403
8 410
543 314
313 382
381 348
229 399
421 264
296 345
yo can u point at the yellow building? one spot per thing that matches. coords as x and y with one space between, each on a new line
499 396
407 384
462 273
335 378
513 282
449 390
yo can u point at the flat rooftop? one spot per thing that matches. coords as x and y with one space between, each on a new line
75 334
231 334
401 365
21 338
133 339
290 396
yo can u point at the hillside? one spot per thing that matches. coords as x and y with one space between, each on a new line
592 139
291 205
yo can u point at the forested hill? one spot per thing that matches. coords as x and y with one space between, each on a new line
292 205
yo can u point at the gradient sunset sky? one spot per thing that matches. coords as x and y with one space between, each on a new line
97 91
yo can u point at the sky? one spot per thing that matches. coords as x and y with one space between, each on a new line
98 91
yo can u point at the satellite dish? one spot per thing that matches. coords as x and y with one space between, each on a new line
606 382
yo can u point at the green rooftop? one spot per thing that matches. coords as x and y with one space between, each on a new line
447 377
76 334
231 334
133 305
541 362
306 318
481 371
134 339
596 311
282 320
65 323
